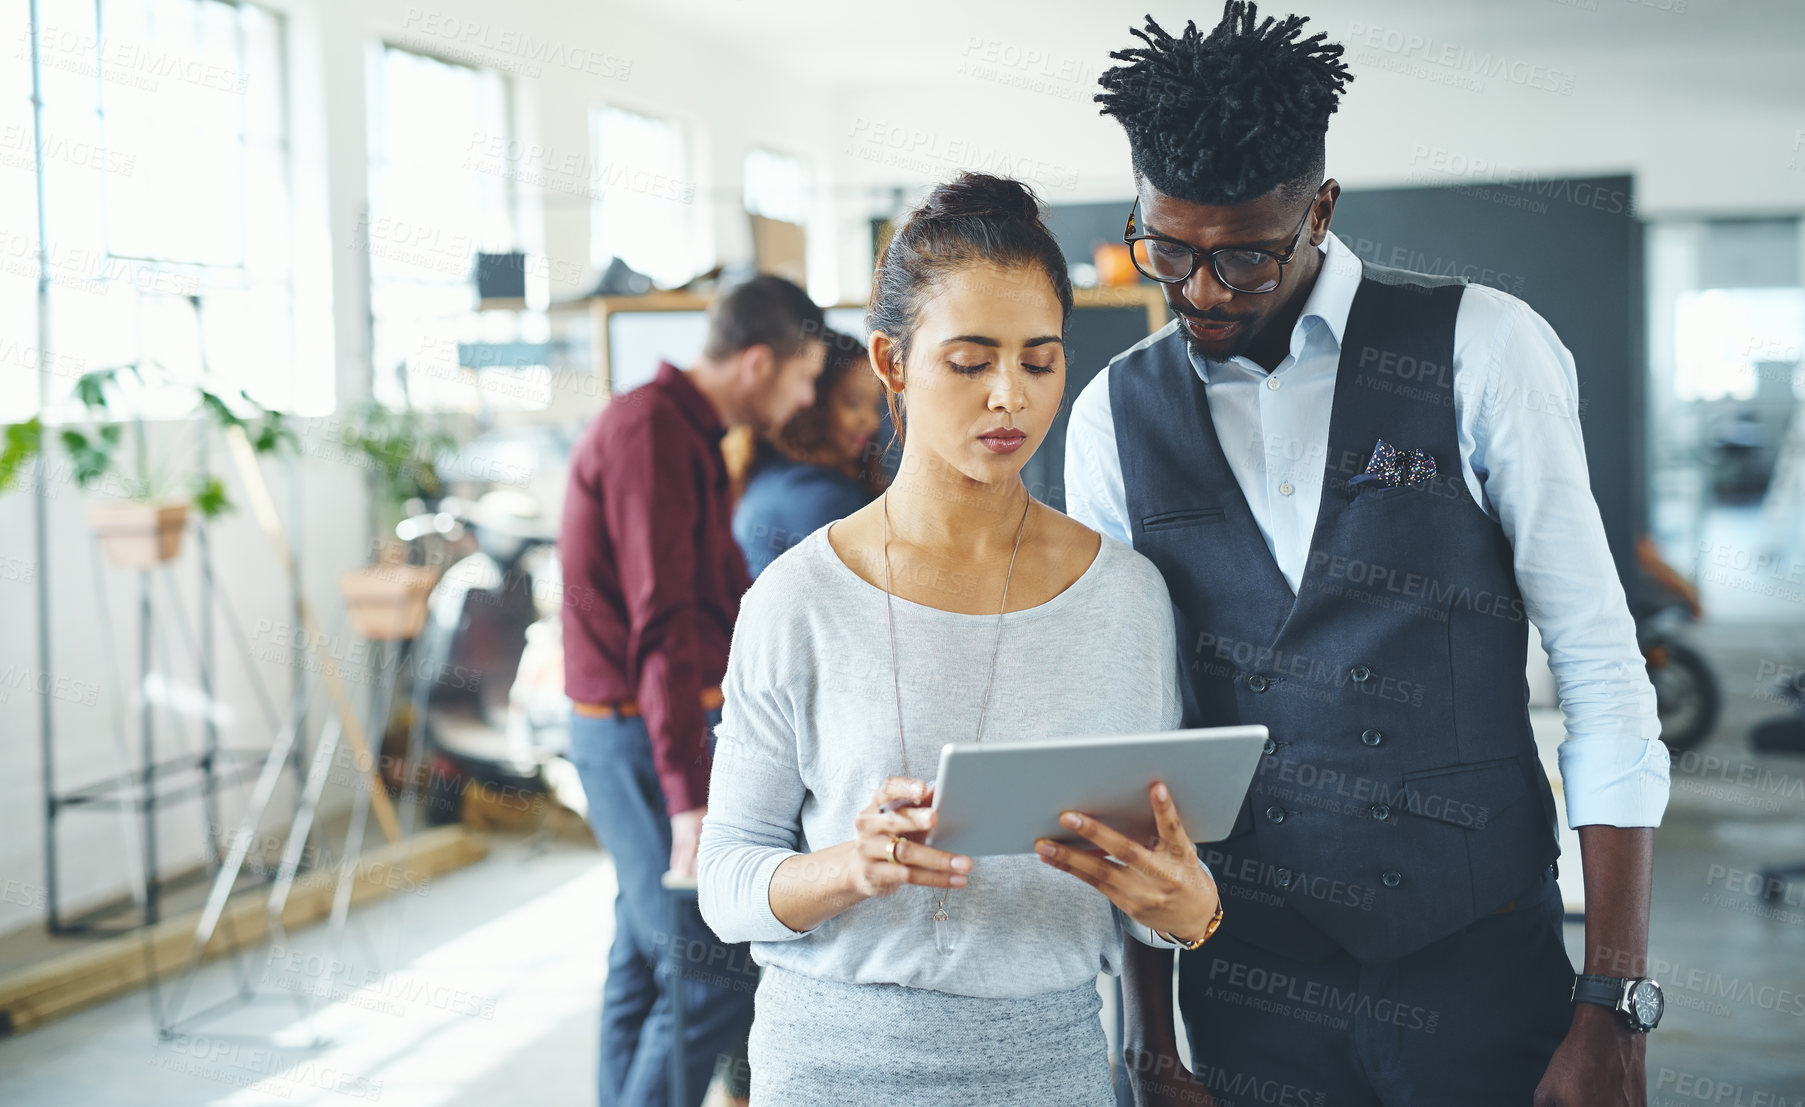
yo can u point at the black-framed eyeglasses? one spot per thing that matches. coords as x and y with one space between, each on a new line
1169 261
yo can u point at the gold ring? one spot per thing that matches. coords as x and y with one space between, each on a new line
895 840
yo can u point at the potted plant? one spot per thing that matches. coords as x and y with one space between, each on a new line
387 601
141 524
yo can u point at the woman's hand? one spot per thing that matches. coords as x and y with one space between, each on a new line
1162 886
810 888
901 809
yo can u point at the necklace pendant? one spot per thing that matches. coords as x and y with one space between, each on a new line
943 931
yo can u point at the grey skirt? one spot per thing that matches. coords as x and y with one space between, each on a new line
829 1043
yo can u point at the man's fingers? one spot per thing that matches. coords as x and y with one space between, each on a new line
1165 816
1105 838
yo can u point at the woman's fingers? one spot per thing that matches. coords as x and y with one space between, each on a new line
913 820
1093 868
914 863
898 875
903 788
912 854
1165 816
1106 838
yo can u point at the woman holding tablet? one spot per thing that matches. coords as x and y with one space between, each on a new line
955 607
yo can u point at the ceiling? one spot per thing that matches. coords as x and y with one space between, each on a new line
1724 46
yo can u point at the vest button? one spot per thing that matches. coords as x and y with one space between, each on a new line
1372 737
1275 814
1381 812
1360 674
1391 878
1257 682
1282 878
1271 747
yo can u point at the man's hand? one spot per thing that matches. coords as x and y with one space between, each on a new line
1601 1063
686 834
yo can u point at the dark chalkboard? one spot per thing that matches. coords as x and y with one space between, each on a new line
1570 248
1096 334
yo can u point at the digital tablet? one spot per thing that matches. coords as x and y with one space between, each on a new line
995 799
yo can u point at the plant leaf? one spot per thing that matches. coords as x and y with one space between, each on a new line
217 408
210 497
22 442
90 387
90 461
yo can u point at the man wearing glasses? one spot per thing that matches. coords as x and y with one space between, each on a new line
1357 515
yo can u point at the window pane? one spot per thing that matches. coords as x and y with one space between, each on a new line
432 209
20 354
173 116
776 186
165 141
643 199
1724 338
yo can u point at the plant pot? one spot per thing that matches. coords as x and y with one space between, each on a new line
387 602
137 535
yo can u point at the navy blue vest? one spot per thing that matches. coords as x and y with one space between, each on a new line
1401 797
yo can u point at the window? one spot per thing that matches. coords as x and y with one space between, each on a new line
167 181
442 173
1725 338
643 200
776 186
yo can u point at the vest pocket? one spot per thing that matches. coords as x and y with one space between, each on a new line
1366 496
1183 517
1467 796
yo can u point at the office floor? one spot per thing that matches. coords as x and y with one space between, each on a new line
482 988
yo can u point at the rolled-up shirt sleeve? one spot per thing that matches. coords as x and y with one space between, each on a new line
1529 449
756 792
653 512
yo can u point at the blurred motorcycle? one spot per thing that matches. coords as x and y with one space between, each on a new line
488 666
1687 695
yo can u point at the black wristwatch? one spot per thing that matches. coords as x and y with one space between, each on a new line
1636 999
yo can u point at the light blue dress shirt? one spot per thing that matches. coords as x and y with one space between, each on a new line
1516 406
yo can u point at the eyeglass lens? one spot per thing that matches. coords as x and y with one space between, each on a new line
1241 270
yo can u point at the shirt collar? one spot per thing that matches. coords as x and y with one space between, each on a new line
699 408
1328 303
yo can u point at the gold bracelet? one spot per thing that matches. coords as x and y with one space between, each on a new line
1208 930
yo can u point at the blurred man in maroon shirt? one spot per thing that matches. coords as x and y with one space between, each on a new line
652 584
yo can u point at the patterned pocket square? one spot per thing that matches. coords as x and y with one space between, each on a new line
1391 467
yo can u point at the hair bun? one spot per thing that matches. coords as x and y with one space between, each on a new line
983 196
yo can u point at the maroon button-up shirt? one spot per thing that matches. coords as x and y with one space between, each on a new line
652 576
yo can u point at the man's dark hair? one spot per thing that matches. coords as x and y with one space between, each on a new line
763 311
1227 117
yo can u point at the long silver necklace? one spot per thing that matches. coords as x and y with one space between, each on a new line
943 930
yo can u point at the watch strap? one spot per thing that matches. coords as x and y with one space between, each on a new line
1605 991
1208 930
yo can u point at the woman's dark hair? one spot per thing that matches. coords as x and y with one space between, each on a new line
807 436
1226 117
974 219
